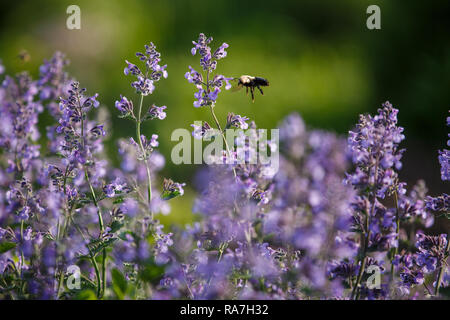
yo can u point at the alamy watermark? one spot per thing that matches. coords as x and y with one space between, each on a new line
74 278
74 19
374 280
234 146
374 20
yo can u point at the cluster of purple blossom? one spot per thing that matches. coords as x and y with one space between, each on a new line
208 86
311 230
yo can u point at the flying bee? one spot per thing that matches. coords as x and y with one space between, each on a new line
250 82
23 56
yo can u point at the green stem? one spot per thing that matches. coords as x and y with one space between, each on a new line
104 272
100 222
21 251
397 230
222 134
138 137
92 258
94 198
218 123
101 284
367 237
222 248
60 283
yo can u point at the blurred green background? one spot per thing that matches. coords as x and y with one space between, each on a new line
319 57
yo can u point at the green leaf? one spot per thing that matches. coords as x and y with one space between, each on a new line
86 295
445 292
119 284
152 272
102 245
6 246
128 116
167 195
123 235
82 202
115 226
118 200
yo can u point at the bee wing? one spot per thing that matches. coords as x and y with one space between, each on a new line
236 86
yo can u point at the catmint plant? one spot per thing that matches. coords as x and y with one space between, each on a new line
374 147
436 249
209 85
315 227
135 249
144 85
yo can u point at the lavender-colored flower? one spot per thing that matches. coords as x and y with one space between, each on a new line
220 53
442 203
261 196
342 269
209 89
202 131
130 207
444 160
143 86
114 188
172 189
235 120
155 112
124 106
153 70
432 245
411 277
53 81
194 77
18 122
131 69
374 148
147 145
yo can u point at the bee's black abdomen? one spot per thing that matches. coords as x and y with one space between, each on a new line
261 81
252 83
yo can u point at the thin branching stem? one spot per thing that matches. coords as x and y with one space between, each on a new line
102 283
144 154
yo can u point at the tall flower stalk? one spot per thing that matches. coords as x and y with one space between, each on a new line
441 205
144 86
74 110
209 89
376 156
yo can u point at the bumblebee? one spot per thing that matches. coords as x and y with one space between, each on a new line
23 56
250 82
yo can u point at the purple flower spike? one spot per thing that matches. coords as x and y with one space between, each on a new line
209 90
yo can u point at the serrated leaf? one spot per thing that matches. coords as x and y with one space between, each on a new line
102 245
115 226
